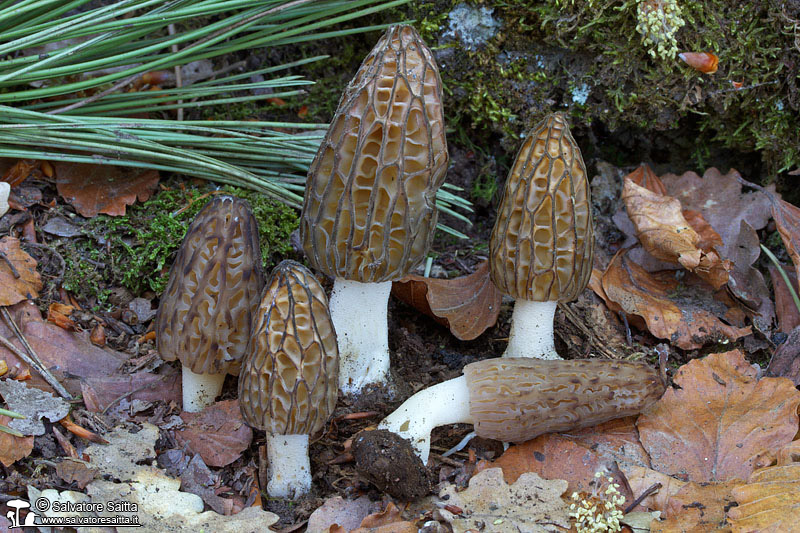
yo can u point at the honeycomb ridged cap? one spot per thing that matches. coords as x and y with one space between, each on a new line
213 289
542 243
290 376
369 210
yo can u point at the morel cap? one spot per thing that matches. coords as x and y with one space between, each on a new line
214 285
542 242
369 210
290 376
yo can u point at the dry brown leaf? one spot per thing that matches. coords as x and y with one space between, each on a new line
785 361
616 440
552 456
386 521
99 392
697 508
770 502
789 454
785 308
69 356
723 423
13 448
660 225
468 305
218 433
645 177
720 199
19 172
58 314
787 218
19 279
74 470
685 323
746 283
96 189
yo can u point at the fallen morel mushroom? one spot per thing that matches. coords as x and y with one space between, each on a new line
205 312
517 399
289 378
369 210
542 243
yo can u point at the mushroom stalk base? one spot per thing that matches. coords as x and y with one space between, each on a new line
5 191
532 330
360 317
289 466
200 390
442 404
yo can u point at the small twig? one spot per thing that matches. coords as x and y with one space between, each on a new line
178 74
32 359
14 270
628 339
641 498
95 97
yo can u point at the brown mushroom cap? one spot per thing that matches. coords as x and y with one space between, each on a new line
205 312
517 399
290 376
542 242
369 209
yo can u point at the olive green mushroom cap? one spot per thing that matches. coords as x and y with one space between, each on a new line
369 210
542 243
290 376
214 284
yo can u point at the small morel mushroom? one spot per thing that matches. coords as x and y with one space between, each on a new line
369 210
542 242
289 378
517 399
205 312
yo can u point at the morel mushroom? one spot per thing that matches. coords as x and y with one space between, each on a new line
542 242
205 312
289 378
517 399
369 210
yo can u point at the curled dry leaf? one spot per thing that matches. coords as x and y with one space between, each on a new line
19 279
785 360
723 423
666 234
386 521
785 308
769 501
13 448
96 189
787 218
59 313
746 283
685 323
468 305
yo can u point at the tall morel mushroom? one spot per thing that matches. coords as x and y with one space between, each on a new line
369 210
289 378
517 399
214 285
542 243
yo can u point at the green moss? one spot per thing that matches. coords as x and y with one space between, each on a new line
135 251
546 50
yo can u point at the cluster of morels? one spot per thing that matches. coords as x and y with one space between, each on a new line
368 219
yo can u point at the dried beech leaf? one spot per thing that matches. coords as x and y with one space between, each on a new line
785 360
684 322
13 448
531 504
723 423
660 225
468 305
95 189
645 177
746 283
640 479
720 199
74 470
787 218
697 508
769 502
386 521
19 279
218 433
553 456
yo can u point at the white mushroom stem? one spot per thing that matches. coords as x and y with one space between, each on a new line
532 330
5 191
442 404
200 390
359 314
289 466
